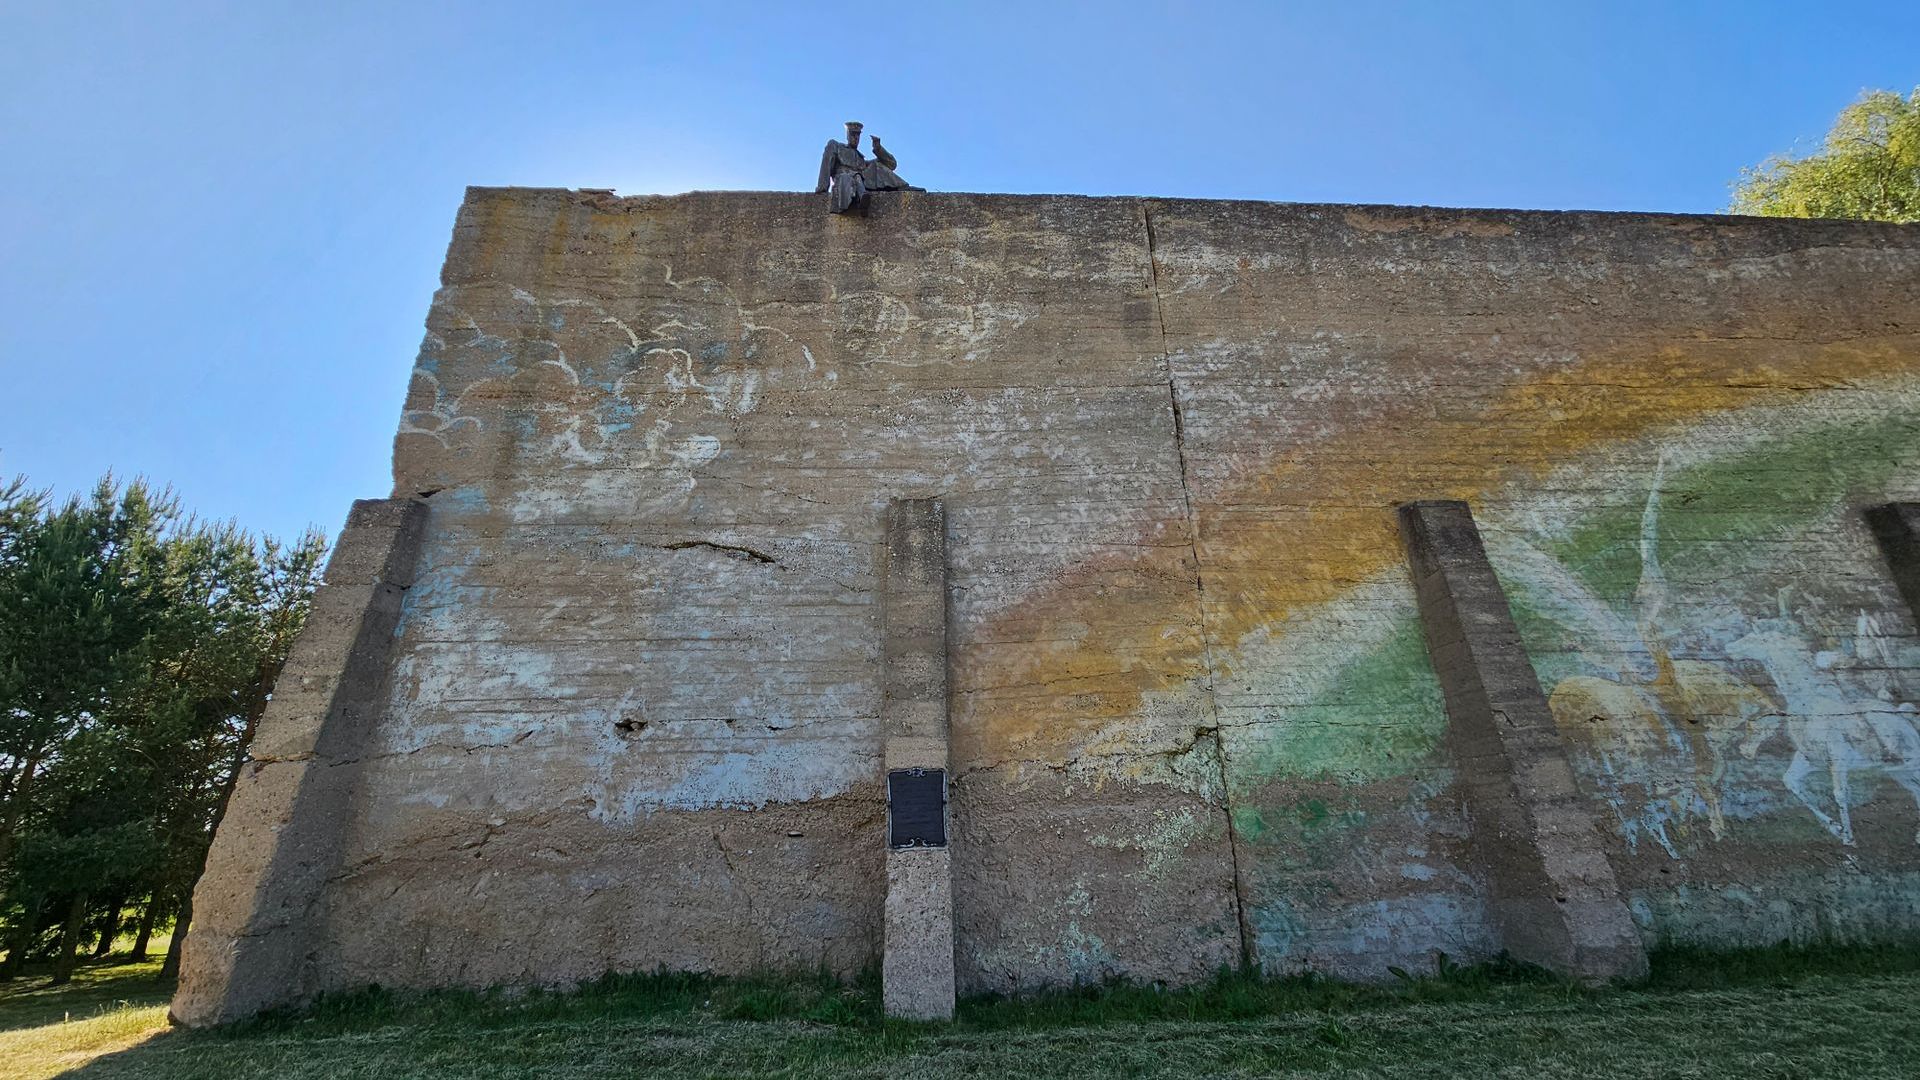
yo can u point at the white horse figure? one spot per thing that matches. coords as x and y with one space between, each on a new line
1652 708
1829 726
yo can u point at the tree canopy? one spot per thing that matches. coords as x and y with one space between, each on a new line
1868 168
138 647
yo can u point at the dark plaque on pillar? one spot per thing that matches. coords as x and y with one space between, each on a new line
917 808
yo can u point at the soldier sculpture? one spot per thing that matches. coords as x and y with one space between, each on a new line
847 175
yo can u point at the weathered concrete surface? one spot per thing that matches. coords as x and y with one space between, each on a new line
1550 889
256 908
685 541
916 969
917 972
1752 380
639 684
914 635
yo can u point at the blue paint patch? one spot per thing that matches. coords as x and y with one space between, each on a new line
1275 929
436 586
467 499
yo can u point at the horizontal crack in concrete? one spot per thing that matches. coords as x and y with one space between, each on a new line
733 551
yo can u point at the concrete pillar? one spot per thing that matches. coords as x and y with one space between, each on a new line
917 964
1553 894
258 901
1897 527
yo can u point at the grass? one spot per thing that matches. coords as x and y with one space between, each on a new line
1755 1015
47 1030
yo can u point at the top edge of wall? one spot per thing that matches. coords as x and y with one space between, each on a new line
609 199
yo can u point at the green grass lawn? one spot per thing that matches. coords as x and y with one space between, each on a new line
1772 1013
49 1030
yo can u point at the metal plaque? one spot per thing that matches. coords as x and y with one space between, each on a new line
917 808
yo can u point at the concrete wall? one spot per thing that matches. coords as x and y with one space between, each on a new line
635 691
257 907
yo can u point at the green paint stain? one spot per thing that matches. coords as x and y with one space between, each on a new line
1308 821
1712 517
1249 824
1708 509
1381 717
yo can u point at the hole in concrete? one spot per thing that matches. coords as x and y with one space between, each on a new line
630 726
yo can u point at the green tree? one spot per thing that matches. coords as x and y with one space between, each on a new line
70 579
138 648
240 606
66 576
1869 168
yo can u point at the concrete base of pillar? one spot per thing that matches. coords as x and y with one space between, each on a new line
918 969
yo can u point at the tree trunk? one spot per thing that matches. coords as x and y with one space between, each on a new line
69 939
16 808
170 967
22 939
7 782
144 935
111 928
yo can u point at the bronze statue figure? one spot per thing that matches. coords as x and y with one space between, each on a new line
848 175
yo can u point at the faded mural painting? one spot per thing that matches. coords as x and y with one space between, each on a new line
1836 700
1721 647
1684 703
1179 598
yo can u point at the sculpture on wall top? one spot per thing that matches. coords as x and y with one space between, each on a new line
848 175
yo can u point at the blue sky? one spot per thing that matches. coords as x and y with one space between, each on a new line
221 224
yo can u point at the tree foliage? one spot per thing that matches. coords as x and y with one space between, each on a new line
138 647
1869 168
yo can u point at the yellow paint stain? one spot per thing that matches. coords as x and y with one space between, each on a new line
1318 519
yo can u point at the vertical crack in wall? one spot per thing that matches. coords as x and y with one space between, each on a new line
746 891
1247 957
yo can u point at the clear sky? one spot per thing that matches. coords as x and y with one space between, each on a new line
221 224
